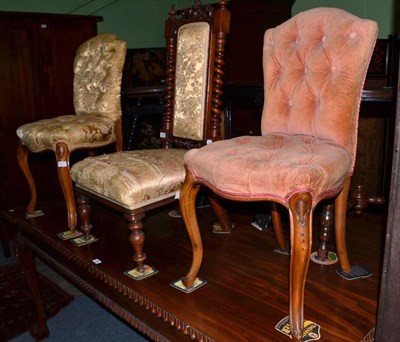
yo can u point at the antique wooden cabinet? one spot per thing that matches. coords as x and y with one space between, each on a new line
249 20
36 72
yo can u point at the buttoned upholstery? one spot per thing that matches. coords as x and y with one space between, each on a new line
135 182
77 131
313 78
96 122
314 70
98 69
134 179
273 166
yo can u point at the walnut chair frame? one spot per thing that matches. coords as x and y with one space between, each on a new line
133 182
98 67
314 70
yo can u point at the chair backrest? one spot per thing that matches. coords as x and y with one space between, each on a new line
314 70
98 69
196 40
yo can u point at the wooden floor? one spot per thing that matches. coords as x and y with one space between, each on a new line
246 293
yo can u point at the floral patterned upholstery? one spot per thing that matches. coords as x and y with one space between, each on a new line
97 88
191 80
132 179
135 182
98 75
98 67
77 130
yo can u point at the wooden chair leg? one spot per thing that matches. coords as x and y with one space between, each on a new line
62 155
278 229
84 212
22 157
137 237
224 223
340 226
39 329
187 203
326 224
300 211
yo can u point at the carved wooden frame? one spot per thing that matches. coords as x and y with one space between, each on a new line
219 21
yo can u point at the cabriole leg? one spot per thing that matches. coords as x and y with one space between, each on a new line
187 203
300 212
22 157
62 155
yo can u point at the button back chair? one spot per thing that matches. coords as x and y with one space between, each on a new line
134 182
314 69
98 69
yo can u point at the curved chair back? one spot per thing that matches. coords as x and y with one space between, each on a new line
314 70
97 76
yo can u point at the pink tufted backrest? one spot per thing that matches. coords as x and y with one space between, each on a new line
314 71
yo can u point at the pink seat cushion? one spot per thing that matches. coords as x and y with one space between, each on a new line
273 166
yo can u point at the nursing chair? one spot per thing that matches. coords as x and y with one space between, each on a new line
314 70
137 181
98 69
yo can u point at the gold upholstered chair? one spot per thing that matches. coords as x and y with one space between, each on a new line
314 70
98 69
135 182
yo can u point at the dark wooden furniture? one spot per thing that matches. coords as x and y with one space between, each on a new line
388 326
36 54
236 304
249 21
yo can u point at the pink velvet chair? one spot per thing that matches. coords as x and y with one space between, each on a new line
314 70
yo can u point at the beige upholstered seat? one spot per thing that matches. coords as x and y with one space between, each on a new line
132 179
314 70
137 181
78 130
98 69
